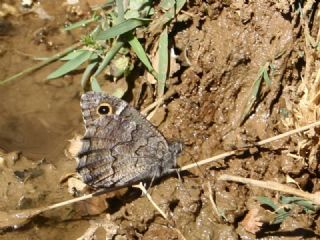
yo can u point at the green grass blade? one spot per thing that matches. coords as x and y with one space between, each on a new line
167 4
121 28
289 199
308 205
163 62
109 56
100 6
72 55
42 64
87 73
252 98
118 93
119 4
138 49
299 201
82 23
70 65
281 215
267 201
254 92
168 16
180 4
95 86
265 74
171 13
266 78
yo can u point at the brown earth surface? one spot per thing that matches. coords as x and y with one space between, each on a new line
220 46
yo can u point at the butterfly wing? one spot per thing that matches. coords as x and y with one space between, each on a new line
120 147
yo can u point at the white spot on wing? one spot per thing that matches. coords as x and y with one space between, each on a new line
121 107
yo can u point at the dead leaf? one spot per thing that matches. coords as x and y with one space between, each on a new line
106 223
252 221
93 206
74 147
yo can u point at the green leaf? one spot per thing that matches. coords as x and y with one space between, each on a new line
72 55
171 13
265 74
163 62
289 200
252 98
266 78
138 49
118 93
309 206
109 56
132 14
168 16
299 201
100 6
137 4
267 201
121 28
44 63
120 66
281 216
95 86
167 4
87 73
255 90
70 65
120 9
82 23
138 8
281 213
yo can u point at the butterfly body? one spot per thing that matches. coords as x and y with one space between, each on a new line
120 147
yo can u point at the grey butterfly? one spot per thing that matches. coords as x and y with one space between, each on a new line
120 147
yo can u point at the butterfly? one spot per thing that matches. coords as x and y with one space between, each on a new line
120 147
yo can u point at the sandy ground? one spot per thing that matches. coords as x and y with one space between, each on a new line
221 46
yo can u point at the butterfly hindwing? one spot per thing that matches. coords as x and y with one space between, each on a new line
120 147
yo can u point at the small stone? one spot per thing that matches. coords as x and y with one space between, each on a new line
27 3
2 163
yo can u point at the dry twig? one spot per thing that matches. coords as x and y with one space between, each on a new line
313 197
145 192
213 204
260 143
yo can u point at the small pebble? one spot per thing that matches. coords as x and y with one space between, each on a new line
27 3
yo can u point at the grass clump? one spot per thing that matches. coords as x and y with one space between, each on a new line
116 42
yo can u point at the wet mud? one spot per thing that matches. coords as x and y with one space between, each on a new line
220 47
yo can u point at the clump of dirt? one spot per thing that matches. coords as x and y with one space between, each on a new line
221 47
